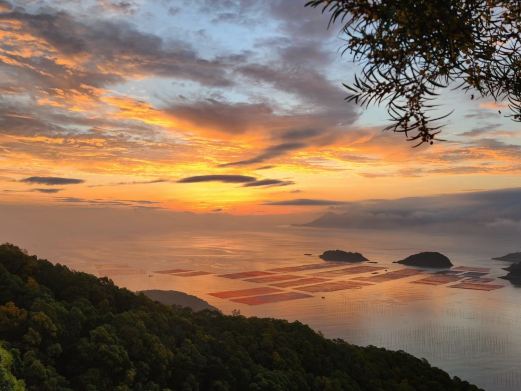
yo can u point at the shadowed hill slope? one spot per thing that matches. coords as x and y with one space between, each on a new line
178 298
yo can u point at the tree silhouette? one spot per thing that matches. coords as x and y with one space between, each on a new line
409 50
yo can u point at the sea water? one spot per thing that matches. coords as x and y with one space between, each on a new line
475 335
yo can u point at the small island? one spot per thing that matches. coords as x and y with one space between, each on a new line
514 274
342 256
427 259
512 257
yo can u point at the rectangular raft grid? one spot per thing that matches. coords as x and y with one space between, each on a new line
172 271
437 280
265 299
192 274
299 282
468 277
349 270
331 286
449 272
273 278
301 268
482 280
241 275
476 286
245 292
182 272
472 269
390 276
473 274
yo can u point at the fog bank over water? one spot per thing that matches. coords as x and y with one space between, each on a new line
464 226
494 216
43 229
484 212
126 221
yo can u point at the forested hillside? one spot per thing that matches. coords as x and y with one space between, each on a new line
66 330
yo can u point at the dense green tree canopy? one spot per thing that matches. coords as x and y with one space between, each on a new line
409 50
8 382
65 330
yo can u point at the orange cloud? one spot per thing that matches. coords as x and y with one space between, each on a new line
493 105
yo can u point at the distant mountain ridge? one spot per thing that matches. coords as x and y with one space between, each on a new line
514 274
495 212
512 257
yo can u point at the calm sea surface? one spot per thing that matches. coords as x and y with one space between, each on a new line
475 335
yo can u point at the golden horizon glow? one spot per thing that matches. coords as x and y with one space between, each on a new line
131 112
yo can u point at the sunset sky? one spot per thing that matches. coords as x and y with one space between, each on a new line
231 106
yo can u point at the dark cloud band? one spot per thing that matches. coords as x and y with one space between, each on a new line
268 182
51 180
305 202
218 178
47 191
248 181
269 153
